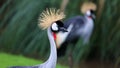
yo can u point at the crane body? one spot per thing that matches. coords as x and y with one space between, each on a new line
82 29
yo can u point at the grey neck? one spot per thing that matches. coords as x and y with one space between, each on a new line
53 53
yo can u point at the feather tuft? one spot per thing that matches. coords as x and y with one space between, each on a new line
49 16
88 6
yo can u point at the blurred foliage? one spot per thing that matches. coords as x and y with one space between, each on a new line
20 34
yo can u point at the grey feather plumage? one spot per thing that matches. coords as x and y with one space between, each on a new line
82 29
79 26
78 23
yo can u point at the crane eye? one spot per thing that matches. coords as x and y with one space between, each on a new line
54 27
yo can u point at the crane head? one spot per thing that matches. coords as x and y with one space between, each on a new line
58 26
51 18
88 8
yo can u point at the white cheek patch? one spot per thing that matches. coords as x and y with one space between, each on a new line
88 13
54 27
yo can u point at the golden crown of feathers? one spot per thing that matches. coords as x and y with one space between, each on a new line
88 6
49 16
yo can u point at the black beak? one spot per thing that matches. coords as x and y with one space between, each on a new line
63 29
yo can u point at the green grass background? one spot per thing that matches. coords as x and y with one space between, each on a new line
7 60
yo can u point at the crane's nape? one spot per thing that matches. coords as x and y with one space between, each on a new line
50 19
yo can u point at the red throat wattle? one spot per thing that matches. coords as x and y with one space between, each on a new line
54 35
89 16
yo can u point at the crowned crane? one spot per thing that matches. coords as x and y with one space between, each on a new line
50 20
82 27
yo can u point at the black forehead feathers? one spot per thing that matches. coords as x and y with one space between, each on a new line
92 11
59 23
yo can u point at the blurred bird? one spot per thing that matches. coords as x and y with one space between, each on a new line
82 27
50 20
